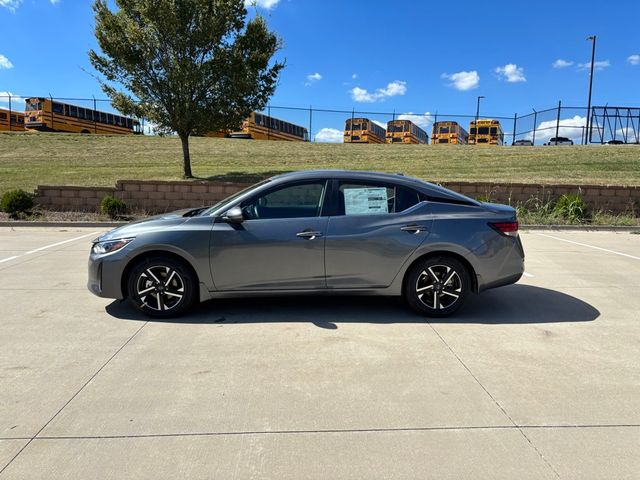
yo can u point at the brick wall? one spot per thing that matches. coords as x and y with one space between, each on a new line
158 196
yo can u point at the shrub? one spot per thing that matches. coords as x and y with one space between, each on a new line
114 207
572 207
16 202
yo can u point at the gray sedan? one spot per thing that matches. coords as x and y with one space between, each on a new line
314 232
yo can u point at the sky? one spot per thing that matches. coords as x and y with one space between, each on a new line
414 57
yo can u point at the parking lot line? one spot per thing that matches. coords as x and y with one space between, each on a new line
589 246
49 246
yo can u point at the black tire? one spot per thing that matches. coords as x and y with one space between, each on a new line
161 287
444 279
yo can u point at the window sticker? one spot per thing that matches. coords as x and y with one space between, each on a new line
365 201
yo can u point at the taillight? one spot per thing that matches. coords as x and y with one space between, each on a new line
510 229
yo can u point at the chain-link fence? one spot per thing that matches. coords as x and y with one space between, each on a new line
539 126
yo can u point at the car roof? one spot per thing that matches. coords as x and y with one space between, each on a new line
398 178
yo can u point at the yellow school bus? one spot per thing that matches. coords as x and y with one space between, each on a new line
264 127
46 115
10 120
405 131
363 130
448 133
489 132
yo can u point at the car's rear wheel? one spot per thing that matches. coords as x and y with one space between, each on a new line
437 286
161 287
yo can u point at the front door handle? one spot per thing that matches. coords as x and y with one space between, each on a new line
413 228
309 234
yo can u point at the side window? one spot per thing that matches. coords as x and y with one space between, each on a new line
375 199
294 201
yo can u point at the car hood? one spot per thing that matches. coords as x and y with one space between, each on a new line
158 222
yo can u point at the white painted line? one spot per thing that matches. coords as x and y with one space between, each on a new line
528 275
590 246
49 246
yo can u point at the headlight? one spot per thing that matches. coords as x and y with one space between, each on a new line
109 246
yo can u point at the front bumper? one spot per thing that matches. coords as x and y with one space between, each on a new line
105 275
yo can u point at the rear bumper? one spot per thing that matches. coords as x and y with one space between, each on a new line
499 265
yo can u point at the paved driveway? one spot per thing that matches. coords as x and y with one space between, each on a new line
536 380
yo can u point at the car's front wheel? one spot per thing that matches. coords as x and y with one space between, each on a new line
161 287
437 286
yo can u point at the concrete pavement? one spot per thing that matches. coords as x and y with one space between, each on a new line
535 380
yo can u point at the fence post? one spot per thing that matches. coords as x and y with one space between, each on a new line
353 112
52 113
535 125
558 120
95 122
310 123
515 125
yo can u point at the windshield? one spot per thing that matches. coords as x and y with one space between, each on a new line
221 205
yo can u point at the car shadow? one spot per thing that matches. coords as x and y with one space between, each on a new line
511 305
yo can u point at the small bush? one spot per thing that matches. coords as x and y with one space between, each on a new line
16 202
114 207
572 207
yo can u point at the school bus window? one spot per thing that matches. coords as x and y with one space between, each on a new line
58 108
483 130
494 131
444 129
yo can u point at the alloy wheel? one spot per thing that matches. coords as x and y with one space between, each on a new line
438 287
160 288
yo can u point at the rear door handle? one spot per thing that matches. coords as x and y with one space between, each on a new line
413 228
309 234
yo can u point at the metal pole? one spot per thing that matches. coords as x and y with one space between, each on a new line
9 111
535 126
558 121
95 124
269 123
515 124
353 111
310 122
475 124
593 56
52 113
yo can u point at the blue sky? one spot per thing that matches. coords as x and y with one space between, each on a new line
377 55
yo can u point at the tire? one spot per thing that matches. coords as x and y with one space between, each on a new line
437 286
161 287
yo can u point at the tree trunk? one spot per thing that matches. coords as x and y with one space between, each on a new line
186 158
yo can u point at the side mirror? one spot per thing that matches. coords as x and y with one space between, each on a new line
233 215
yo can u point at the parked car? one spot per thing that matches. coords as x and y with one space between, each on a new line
559 141
522 143
314 232
615 142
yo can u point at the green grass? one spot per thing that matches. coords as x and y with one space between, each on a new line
28 160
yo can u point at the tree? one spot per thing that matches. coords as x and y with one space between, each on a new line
189 66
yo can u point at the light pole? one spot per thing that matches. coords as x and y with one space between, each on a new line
475 137
593 56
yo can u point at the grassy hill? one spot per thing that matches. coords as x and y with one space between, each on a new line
28 160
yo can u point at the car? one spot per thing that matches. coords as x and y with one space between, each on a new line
559 141
615 142
522 143
314 232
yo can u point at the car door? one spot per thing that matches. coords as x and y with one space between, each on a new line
374 229
278 245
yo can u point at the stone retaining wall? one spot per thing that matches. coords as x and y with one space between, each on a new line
159 196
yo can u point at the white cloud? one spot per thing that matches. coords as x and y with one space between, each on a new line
13 4
4 61
423 121
569 127
560 63
354 76
634 59
10 4
597 65
17 103
266 4
511 72
329 135
392 89
463 80
312 78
